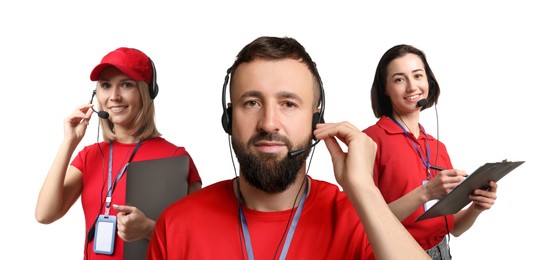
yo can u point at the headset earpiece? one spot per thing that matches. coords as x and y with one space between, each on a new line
227 111
153 87
226 120
317 119
153 90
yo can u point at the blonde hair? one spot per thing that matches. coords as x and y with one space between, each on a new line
143 126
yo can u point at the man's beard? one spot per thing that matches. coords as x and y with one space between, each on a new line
265 171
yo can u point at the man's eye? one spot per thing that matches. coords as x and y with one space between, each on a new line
251 103
289 104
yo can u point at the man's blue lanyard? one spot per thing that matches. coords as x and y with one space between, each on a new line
426 162
110 187
288 237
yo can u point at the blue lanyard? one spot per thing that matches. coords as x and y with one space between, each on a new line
110 187
288 237
426 162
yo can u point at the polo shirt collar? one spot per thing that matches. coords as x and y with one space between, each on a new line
392 128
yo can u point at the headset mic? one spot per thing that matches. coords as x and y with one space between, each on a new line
295 153
101 113
422 102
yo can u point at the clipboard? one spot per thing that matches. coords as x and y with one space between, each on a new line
458 198
151 186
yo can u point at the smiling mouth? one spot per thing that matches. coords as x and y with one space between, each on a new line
117 108
414 97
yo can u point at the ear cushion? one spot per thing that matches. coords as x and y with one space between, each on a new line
153 90
153 87
226 120
317 119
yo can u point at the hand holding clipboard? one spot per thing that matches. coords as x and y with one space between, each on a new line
459 196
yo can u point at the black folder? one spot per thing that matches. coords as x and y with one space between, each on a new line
151 186
458 198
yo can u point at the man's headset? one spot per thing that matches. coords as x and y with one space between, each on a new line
317 117
152 87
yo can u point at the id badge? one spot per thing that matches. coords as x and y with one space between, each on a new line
429 203
104 239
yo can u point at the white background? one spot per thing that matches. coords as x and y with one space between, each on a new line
491 59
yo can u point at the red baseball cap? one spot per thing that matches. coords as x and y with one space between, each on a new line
132 62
